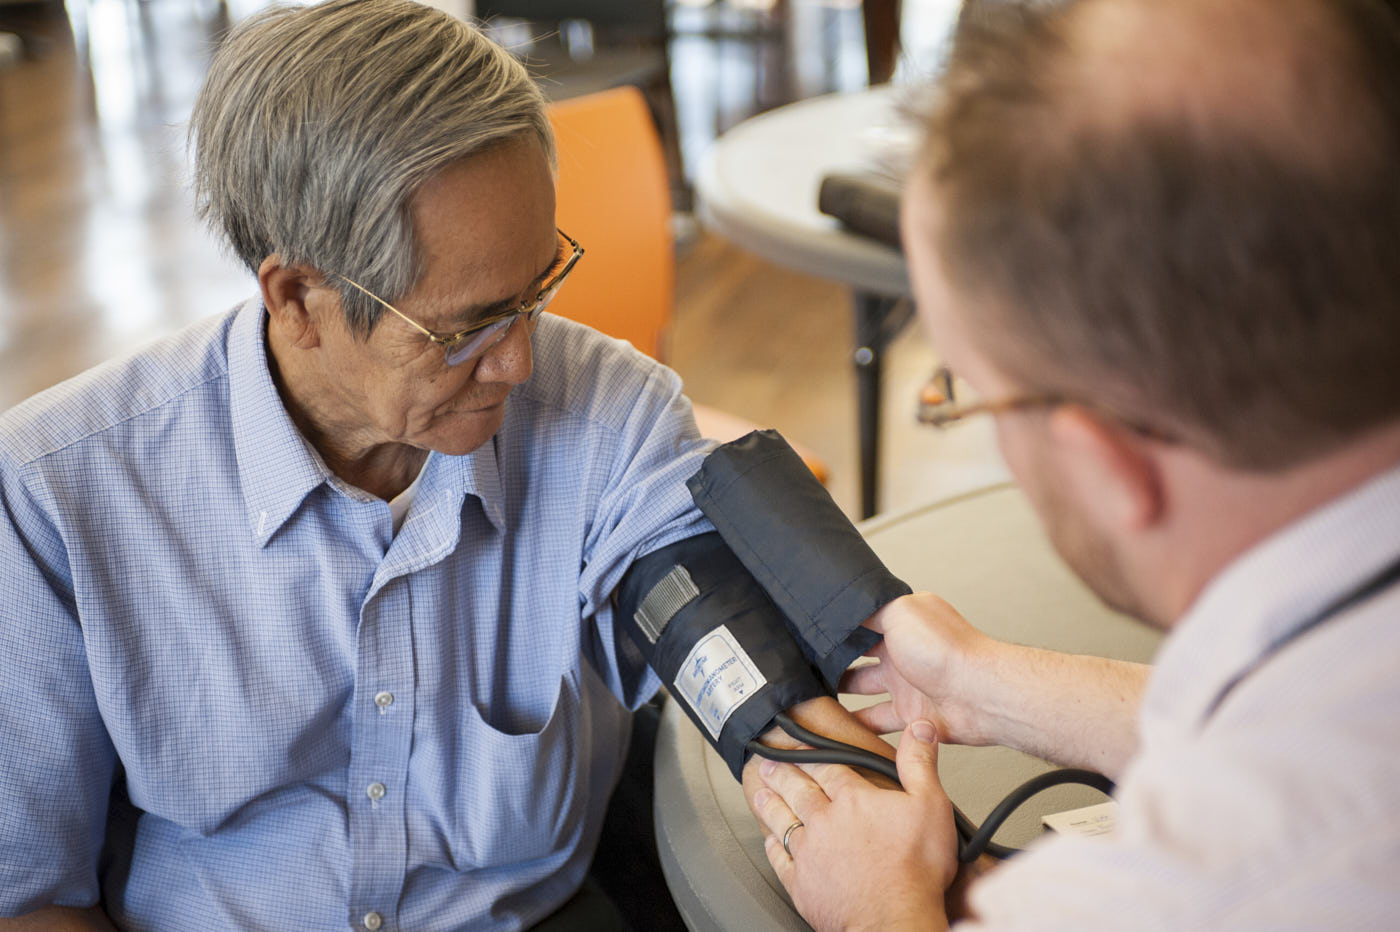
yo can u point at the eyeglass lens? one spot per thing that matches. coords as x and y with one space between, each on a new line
475 344
478 343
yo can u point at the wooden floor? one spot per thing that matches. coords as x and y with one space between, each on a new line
100 251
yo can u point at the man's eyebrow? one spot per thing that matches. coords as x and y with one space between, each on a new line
478 312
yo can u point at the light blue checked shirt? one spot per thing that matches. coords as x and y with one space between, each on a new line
231 697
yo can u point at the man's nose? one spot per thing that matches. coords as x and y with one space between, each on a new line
511 360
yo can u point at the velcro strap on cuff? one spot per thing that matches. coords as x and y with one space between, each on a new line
716 639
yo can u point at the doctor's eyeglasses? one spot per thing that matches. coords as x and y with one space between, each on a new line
939 407
473 342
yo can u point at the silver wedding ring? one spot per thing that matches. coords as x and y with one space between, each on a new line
796 824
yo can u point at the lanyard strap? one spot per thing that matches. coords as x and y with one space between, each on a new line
1371 587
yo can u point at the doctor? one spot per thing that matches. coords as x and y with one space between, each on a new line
1157 242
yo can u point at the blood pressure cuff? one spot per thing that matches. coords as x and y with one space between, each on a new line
716 639
800 547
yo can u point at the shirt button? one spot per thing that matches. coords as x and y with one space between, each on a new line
375 791
372 919
383 699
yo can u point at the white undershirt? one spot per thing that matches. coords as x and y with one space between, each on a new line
399 504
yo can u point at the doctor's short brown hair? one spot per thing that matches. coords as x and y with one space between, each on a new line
1203 236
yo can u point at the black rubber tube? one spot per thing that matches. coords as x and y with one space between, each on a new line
974 841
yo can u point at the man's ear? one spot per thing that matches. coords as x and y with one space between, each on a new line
286 291
1113 468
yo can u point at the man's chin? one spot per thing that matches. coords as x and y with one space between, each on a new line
457 433
1091 556
1096 565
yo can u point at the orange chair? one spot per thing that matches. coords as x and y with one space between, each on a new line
613 197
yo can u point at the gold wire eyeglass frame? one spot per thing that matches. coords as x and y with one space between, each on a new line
456 347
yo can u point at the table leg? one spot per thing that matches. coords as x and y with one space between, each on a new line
881 38
878 320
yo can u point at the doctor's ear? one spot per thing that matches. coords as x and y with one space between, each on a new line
288 293
1113 468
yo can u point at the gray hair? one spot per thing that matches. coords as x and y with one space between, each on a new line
316 125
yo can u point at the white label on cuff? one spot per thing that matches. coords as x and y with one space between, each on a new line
1089 821
716 678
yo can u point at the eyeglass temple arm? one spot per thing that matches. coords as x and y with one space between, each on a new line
402 316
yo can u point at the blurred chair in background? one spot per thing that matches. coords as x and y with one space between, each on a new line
578 47
612 197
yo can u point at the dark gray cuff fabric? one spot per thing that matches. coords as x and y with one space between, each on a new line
793 539
716 639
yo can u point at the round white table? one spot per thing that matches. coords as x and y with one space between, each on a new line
757 186
986 554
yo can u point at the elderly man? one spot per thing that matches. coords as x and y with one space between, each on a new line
1159 241
309 617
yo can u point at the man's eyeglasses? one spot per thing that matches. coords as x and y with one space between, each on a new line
939 407
473 342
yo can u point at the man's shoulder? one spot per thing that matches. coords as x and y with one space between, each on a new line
1280 811
117 392
1299 753
1335 684
587 375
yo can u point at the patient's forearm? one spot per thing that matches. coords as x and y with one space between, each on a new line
827 717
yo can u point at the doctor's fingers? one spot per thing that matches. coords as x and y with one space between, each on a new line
799 792
881 718
837 780
783 865
867 679
774 812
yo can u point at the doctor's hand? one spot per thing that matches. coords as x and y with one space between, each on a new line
863 857
1076 710
928 659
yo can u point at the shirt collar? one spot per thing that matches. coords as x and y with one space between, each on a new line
278 468
1271 590
478 474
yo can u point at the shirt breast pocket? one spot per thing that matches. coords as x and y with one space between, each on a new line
522 796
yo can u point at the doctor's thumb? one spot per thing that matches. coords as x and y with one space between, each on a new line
917 758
